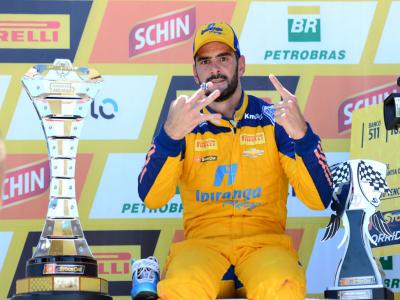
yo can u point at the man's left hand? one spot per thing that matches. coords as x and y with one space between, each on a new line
287 112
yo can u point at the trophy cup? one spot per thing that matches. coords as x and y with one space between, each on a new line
357 187
62 266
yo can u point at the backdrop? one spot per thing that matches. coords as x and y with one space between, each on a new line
335 56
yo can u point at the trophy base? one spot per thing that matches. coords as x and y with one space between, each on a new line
61 265
359 292
62 296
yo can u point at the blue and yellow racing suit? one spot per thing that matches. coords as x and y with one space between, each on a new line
233 178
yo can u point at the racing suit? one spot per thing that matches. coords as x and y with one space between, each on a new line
233 178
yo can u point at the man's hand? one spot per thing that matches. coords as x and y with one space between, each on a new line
287 112
185 113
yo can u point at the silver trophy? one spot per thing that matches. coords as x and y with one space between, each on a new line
357 187
62 266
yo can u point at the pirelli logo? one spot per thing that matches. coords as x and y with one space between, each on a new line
252 139
39 31
206 144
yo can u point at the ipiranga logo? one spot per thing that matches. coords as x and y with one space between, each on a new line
27 31
163 31
304 24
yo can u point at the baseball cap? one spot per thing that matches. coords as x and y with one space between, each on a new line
215 32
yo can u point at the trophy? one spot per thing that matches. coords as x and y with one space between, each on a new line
391 110
357 187
62 266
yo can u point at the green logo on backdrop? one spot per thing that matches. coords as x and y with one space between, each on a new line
304 29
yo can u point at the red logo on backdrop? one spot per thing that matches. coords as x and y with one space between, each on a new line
332 100
162 32
370 97
25 182
25 191
113 262
29 31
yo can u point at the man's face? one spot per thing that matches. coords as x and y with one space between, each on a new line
216 62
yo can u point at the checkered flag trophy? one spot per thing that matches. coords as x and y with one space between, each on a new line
357 187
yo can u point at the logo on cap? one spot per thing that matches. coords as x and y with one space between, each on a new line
212 28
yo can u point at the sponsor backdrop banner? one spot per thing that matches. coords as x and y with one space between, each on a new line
336 56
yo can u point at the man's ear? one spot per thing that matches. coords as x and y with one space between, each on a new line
196 77
241 65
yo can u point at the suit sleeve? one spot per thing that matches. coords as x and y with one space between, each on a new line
305 165
159 176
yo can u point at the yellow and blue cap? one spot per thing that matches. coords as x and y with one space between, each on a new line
215 32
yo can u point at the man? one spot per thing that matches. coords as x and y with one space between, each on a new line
232 156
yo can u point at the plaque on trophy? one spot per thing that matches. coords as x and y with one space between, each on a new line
62 265
357 187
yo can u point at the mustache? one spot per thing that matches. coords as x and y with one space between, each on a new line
218 76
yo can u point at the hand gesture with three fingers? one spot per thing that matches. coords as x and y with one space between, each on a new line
287 112
185 112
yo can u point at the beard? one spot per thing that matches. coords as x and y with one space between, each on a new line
229 90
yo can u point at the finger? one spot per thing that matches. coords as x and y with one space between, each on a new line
199 94
280 113
285 94
182 99
280 105
210 98
209 117
287 104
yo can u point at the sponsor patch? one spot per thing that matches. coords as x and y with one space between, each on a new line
252 139
269 112
253 152
206 144
206 158
253 116
63 269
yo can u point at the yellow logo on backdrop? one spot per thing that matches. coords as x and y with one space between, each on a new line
206 144
252 139
26 31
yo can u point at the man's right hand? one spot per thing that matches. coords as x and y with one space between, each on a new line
185 113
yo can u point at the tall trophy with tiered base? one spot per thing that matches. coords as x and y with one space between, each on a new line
357 187
62 266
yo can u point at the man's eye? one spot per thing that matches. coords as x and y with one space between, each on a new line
204 61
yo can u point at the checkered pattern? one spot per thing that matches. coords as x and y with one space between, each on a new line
375 179
340 173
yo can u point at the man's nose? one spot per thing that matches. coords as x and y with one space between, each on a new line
214 65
